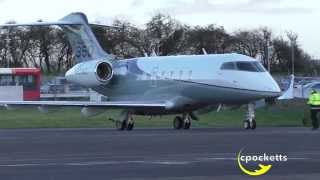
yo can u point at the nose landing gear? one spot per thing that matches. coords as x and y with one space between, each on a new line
250 119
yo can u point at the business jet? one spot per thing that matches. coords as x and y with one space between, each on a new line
157 85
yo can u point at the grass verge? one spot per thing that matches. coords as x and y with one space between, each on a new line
284 114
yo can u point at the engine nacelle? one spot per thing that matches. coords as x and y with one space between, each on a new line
91 73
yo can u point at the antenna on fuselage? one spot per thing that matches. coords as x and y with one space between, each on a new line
145 54
204 51
153 53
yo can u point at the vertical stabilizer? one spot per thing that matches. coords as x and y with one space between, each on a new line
84 43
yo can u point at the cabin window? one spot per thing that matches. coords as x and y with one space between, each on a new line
228 66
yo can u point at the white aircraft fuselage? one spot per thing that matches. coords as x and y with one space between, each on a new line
186 82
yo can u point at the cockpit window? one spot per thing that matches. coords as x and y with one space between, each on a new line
259 67
246 66
251 66
229 66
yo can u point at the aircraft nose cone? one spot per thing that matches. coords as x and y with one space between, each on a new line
276 87
271 85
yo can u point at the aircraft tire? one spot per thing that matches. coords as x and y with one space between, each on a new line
187 125
121 125
253 124
178 122
130 126
246 124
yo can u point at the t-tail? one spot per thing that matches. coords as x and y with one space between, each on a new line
81 38
84 44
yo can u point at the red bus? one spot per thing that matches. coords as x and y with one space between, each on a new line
28 78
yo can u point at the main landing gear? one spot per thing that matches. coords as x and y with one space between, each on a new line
125 122
183 122
250 119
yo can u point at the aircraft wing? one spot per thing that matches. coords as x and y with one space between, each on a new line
107 104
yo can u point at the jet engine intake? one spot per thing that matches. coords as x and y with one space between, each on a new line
91 73
104 71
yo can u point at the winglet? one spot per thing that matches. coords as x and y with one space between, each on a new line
289 93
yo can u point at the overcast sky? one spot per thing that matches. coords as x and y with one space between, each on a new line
300 16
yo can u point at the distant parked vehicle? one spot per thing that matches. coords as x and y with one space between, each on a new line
313 85
45 89
54 86
284 85
57 88
60 85
59 80
28 78
76 88
306 89
52 89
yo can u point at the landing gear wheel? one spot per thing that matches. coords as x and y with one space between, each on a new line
246 124
130 126
187 125
121 125
250 121
177 122
253 124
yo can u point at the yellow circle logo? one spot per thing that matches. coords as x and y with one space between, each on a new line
263 168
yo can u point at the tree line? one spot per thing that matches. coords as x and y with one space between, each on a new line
48 49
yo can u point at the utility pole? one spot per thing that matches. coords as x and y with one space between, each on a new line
270 51
268 56
267 37
7 44
122 38
293 39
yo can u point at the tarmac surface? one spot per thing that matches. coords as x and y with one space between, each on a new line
162 154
